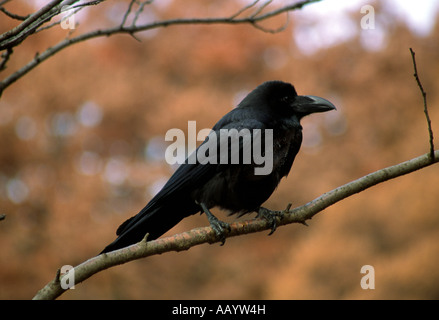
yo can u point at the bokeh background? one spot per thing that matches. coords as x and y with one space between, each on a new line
82 149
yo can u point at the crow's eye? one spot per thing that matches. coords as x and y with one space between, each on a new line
284 99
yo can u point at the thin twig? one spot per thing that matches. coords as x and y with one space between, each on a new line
127 13
87 4
13 15
140 10
277 30
66 17
5 57
424 97
262 7
240 11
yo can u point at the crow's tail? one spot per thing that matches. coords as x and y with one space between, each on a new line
154 220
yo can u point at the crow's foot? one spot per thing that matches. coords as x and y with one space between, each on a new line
271 216
220 228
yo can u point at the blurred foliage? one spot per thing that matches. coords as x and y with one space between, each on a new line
83 145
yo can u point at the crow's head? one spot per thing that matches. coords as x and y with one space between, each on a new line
282 98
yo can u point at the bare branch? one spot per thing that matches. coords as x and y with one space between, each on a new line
72 13
87 4
127 13
18 34
277 30
194 237
20 28
296 6
140 10
5 57
13 37
13 15
244 9
261 8
424 97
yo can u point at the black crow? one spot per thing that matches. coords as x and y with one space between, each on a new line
213 177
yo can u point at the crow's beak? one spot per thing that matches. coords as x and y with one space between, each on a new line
305 105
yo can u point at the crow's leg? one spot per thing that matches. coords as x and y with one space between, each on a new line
220 227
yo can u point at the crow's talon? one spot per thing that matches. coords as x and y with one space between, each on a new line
271 217
220 228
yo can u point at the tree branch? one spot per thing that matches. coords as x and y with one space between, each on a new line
16 35
5 57
13 15
194 237
29 26
424 97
